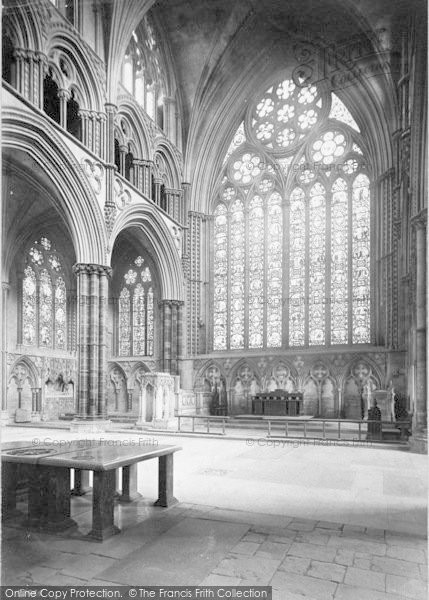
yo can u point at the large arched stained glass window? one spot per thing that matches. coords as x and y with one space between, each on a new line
136 314
292 226
44 298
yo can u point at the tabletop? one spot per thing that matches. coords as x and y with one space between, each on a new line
93 455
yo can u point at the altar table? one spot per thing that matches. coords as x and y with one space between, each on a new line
277 402
47 469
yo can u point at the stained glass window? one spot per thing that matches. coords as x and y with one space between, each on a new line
256 272
317 265
339 263
44 297
236 269
274 290
297 274
136 310
220 277
29 307
143 70
361 260
292 226
124 323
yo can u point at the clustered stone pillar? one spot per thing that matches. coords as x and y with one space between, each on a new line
64 96
5 292
419 222
93 130
92 340
172 337
173 203
157 191
28 74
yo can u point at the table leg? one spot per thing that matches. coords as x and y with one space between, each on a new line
81 482
103 504
38 481
9 485
58 499
165 481
129 484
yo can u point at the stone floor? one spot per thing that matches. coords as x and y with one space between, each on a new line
311 521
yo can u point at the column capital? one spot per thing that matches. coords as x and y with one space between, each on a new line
62 93
111 108
90 269
419 221
5 286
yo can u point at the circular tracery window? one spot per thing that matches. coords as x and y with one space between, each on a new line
285 114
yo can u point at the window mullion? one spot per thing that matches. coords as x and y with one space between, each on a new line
328 291
286 272
228 275
307 269
350 264
132 323
246 261
265 262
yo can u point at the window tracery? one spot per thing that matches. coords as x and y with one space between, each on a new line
136 310
44 297
291 226
143 74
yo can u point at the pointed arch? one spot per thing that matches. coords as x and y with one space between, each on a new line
30 135
146 217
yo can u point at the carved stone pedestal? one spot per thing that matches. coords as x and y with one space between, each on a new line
157 401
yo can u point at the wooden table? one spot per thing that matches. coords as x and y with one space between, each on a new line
47 469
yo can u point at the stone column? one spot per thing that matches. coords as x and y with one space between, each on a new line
129 400
173 352
92 350
109 149
419 222
5 292
147 166
170 119
122 154
64 96
166 350
104 275
157 191
19 56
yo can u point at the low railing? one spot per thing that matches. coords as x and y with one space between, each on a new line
311 428
207 418
339 428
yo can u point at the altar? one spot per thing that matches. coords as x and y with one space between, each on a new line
277 403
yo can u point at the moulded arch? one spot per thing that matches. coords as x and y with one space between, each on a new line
129 108
147 218
31 135
375 370
29 366
89 74
244 362
172 163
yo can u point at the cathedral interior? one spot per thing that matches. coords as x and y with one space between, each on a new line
210 201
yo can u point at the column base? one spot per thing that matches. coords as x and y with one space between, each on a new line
36 417
90 425
103 534
166 503
419 441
